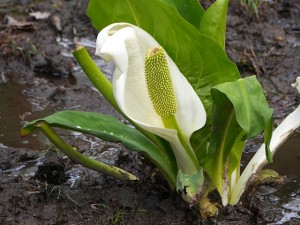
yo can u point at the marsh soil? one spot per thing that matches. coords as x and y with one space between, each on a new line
38 76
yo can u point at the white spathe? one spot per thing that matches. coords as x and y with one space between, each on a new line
126 45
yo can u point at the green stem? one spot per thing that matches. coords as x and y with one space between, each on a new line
95 75
82 159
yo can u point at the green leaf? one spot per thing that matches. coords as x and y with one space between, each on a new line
109 129
202 60
213 22
83 160
225 147
190 10
250 104
240 112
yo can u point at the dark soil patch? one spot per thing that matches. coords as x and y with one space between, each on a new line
38 187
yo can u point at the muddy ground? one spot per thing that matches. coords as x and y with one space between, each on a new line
38 76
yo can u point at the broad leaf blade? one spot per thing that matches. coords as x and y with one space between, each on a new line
213 22
190 10
109 129
250 104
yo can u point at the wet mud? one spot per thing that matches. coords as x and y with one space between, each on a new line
39 76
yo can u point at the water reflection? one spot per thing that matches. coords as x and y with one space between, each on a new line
287 162
14 108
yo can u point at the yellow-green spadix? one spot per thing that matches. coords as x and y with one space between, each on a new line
130 48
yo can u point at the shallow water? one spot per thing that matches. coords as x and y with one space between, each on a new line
287 163
287 159
15 109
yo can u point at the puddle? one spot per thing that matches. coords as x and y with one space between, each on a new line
14 108
287 159
287 162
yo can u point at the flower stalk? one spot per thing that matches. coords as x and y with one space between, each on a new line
95 75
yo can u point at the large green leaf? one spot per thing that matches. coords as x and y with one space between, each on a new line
226 144
213 22
252 111
190 10
110 129
201 59
240 112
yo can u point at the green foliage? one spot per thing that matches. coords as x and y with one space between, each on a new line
110 129
240 111
213 23
190 10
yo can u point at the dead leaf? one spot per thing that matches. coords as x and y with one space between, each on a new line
40 15
22 25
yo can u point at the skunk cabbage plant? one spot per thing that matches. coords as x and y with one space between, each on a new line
173 82
151 91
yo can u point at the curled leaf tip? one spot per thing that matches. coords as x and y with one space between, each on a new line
159 83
